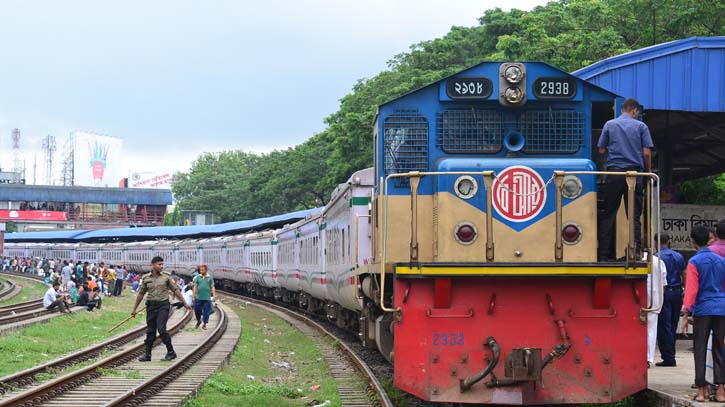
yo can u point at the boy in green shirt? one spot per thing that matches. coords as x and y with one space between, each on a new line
204 292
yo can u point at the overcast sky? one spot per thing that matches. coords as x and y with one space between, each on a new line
175 78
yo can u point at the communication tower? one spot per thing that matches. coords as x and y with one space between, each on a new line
68 156
49 147
17 163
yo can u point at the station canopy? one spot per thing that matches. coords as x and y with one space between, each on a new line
160 232
122 196
681 85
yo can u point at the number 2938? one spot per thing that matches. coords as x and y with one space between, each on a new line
448 339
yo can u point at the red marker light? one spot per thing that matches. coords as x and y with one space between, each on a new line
466 233
571 233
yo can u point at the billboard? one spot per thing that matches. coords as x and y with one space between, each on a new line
6 214
155 180
96 160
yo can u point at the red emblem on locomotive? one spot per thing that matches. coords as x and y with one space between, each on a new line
518 193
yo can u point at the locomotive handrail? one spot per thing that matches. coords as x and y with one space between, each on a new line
488 180
652 193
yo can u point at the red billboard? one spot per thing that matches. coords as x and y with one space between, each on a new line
32 215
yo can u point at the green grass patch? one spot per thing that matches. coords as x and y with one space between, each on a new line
274 365
40 343
30 290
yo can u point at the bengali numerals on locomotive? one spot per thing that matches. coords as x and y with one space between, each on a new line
469 88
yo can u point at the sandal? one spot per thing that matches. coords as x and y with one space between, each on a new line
694 398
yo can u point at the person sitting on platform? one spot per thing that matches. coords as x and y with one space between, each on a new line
54 299
90 299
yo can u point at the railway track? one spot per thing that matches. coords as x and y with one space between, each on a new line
120 380
356 383
8 290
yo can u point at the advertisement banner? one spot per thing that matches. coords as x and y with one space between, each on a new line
32 215
678 220
155 180
96 160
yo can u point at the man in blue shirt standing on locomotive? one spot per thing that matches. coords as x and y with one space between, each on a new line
627 143
670 313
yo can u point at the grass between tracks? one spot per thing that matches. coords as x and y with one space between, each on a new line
29 291
40 343
274 365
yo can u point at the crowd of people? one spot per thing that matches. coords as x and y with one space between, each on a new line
87 284
696 290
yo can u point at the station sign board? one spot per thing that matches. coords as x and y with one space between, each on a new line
678 220
154 180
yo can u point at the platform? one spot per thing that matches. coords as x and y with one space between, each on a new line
671 385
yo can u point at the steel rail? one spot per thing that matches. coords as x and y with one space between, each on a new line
21 306
381 397
27 376
8 288
142 392
46 391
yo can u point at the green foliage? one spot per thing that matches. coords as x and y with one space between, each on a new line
703 191
568 34
173 218
11 227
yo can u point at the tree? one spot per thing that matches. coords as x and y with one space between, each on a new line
568 34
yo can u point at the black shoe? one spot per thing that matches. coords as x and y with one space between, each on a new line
169 356
145 358
197 324
666 364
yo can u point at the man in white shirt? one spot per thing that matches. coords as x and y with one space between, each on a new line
54 299
655 283
66 272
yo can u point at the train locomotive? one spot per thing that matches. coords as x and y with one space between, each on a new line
468 254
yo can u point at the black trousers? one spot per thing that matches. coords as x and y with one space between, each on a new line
667 323
614 188
60 304
702 328
118 288
156 317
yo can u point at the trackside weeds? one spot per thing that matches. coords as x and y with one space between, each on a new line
274 365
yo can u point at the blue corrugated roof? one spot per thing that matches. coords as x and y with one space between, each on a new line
45 193
160 232
687 75
55 236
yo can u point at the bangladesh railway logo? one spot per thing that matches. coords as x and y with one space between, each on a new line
518 194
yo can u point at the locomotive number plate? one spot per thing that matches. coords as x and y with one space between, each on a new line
448 339
554 88
469 88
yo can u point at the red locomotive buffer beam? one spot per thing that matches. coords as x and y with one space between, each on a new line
544 343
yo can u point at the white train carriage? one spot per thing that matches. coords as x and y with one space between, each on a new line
348 240
261 261
17 250
238 272
138 256
187 256
313 280
111 253
288 270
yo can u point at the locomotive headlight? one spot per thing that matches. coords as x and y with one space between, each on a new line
513 74
466 233
465 187
571 187
513 95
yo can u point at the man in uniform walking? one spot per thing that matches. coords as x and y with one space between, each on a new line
157 284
